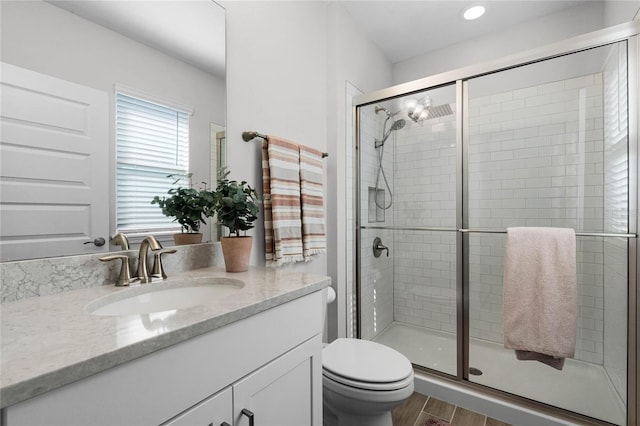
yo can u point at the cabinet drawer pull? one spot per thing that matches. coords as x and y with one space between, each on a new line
249 414
222 424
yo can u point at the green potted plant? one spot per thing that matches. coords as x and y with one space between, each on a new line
189 207
236 207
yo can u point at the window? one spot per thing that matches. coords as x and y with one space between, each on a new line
152 141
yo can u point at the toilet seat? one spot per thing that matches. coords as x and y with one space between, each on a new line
368 386
366 365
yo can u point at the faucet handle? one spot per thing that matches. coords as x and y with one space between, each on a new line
124 279
158 270
120 239
378 247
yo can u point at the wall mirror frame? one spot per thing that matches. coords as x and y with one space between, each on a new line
168 49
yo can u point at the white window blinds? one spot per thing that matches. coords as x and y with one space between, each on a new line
152 141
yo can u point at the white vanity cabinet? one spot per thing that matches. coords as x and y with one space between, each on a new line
215 411
280 394
268 363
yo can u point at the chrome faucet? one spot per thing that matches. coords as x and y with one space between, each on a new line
149 242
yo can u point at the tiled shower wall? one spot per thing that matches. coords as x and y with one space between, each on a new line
616 217
376 274
536 159
425 273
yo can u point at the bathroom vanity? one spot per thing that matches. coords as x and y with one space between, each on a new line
221 362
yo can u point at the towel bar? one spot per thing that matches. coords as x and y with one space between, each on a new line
248 136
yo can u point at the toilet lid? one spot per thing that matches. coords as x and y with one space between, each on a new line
365 361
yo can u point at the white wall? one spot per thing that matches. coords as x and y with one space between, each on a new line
287 64
50 40
510 40
276 85
355 59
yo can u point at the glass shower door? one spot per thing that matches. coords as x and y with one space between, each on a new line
407 172
545 143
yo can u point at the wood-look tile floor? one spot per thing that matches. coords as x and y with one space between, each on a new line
418 409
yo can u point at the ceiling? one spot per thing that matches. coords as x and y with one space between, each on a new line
405 29
192 31
401 28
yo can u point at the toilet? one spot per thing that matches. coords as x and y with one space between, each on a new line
362 381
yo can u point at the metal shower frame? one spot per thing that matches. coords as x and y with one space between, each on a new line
629 32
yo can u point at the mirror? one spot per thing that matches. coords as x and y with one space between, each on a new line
168 50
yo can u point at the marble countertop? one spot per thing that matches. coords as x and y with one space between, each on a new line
50 341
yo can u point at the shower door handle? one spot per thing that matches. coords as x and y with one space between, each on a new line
378 247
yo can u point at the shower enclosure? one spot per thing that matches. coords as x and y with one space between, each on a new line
445 164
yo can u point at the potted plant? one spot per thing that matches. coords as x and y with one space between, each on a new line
189 206
236 207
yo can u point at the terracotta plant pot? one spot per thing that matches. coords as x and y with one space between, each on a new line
236 252
184 239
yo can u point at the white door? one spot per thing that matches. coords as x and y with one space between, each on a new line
54 192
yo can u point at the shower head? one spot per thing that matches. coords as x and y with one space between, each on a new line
397 125
425 110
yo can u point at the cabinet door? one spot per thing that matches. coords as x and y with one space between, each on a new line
213 411
285 392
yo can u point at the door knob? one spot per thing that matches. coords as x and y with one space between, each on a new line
98 242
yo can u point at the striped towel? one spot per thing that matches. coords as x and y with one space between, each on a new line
266 205
281 185
311 194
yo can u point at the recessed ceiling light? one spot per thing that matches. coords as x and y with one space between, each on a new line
473 12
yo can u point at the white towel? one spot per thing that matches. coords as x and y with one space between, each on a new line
540 294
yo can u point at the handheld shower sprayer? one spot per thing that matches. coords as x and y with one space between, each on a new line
379 146
396 125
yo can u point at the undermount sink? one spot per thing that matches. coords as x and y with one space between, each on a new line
158 297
